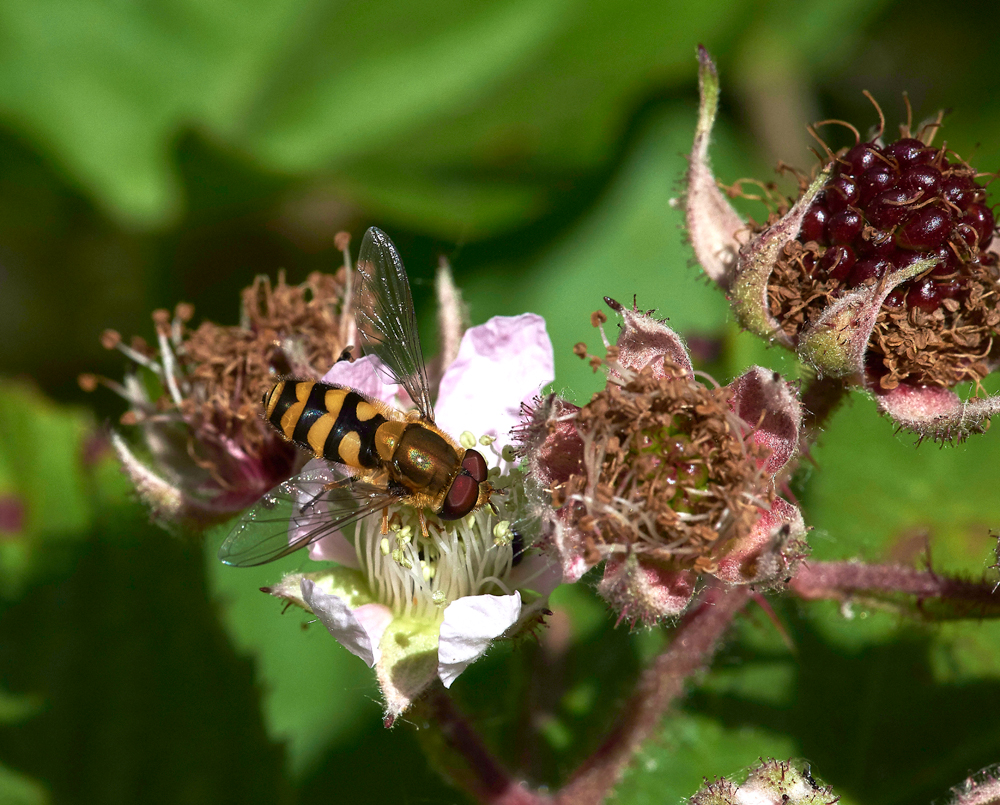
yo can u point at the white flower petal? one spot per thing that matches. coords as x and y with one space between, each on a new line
358 630
470 624
500 364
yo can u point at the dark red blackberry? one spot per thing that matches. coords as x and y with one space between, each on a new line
886 207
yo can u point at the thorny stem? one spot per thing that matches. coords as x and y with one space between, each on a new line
693 644
479 773
917 592
819 400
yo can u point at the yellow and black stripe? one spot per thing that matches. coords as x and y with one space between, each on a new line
332 422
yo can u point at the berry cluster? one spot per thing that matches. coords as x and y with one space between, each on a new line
884 208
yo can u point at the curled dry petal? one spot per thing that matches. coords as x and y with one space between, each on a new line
470 624
453 317
766 402
646 341
712 223
836 344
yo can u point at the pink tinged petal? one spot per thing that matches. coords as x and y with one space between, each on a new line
358 630
937 412
768 405
334 547
836 344
500 364
767 553
362 375
644 340
756 264
470 624
712 224
646 592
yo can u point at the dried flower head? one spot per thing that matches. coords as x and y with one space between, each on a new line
981 788
883 271
210 454
664 477
772 782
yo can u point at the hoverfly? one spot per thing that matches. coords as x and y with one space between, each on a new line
378 455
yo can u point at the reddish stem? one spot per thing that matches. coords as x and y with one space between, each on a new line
693 644
937 597
482 776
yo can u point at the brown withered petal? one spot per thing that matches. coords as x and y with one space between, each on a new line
646 341
713 226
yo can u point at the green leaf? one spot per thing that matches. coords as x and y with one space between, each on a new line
18 789
145 700
43 496
629 245
940 493
690 748
315 692
15 708
357 79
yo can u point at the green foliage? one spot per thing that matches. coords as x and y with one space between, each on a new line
42 492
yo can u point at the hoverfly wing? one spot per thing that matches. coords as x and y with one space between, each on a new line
387 323
297 513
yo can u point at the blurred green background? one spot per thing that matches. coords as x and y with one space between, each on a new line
166 151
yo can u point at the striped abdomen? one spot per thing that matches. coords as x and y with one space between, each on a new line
334 423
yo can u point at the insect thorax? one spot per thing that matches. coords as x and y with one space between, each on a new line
425 461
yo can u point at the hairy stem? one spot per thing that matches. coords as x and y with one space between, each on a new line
467 761
692 646
922 593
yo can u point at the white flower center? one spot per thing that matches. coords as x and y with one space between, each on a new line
417 575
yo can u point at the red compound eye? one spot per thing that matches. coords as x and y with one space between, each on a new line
461 498
475 465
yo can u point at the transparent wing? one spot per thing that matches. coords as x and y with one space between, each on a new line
387 324
298 512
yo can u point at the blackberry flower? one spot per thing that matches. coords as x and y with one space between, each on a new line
417 607
194 398
884 271
663 478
